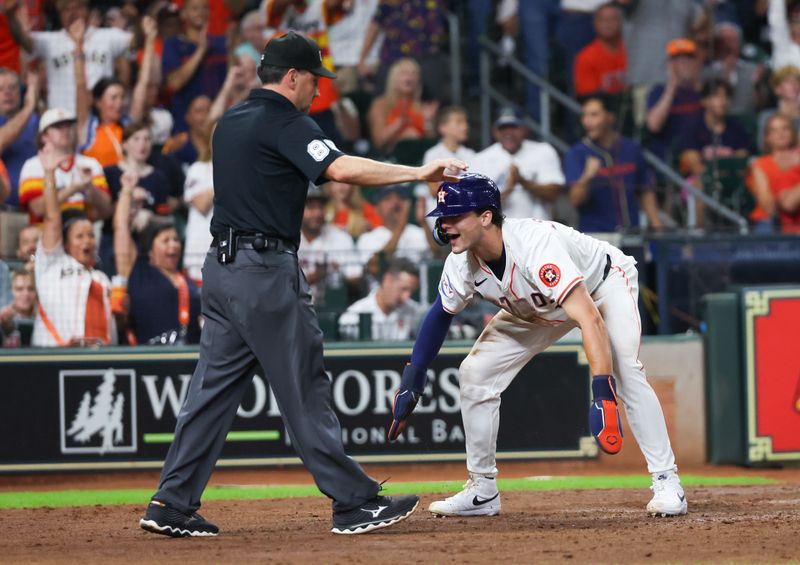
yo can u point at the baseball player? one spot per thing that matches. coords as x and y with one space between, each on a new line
547 279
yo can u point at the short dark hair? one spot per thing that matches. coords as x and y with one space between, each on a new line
8 72
152 229
402 265
20 272
497 216
445 113
102 85
68 219
270 74
613 5
714 85
132 128
606 101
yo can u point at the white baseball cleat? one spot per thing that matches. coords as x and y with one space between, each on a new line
668 496
480 497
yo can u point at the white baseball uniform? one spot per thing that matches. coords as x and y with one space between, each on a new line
544 261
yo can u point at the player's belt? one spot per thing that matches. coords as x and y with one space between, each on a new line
608 267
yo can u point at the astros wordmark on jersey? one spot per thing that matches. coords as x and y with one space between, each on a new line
544 261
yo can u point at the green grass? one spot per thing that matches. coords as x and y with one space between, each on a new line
53 499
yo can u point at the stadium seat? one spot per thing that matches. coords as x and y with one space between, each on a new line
749 121
329 324
11 223
435 269
732 190
411 151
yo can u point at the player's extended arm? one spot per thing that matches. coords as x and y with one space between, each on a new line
412 384
604 420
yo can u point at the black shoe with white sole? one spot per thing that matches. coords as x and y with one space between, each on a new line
161 518
380 512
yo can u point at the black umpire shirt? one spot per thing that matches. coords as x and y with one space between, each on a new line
265 152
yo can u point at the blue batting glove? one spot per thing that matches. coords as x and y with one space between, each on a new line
604 421
412 384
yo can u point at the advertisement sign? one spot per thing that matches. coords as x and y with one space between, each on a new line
772 364
117 408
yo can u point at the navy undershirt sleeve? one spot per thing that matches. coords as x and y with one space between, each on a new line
431 335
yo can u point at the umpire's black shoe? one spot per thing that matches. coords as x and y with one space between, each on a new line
379 512
161 518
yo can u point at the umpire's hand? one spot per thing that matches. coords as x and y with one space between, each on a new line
412 384
449 169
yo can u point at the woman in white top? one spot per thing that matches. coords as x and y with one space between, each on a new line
198 193
74 305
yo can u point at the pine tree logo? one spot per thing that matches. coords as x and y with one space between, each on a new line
95 417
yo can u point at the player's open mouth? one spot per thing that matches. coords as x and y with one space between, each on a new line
453 236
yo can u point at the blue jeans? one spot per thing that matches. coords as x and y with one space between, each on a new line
575 31
535 17
479 12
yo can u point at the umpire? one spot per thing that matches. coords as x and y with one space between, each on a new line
257 304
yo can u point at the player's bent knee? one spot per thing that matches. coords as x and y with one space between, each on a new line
469 371
472 393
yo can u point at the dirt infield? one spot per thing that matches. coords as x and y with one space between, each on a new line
742 525
725 525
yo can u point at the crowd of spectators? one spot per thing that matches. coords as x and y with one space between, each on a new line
107 111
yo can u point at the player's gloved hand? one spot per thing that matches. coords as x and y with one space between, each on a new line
412 384
604 421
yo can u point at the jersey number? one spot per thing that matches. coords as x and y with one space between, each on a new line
539 300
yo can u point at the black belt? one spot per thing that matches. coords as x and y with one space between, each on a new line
608 266
260 243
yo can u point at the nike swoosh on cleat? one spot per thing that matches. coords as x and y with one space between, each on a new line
479 283
681 497
477 501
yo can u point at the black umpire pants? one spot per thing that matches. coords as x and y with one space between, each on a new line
258 311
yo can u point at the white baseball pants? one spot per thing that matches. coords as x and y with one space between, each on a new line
508 343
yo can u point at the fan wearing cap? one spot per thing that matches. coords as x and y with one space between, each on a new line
528 172
649 26
671 107
79 180
257 302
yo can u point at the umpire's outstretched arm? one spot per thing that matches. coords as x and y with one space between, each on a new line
358 170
